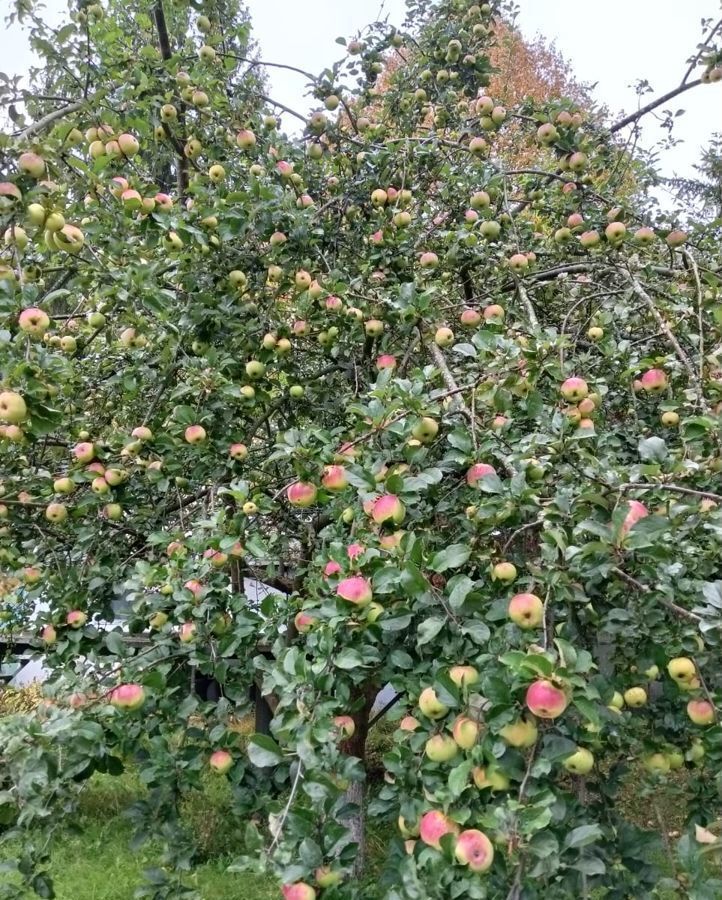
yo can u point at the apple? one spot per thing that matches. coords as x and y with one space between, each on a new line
56 513
334 478
409 723
385 361
635 697
681 669
547 134
195 434
31 164
574 389
388 508
48 635
220 761
493 312
701 712
430 705
76 618
331 568
301 494
490 229
475 850
304 622
465 732
504 571
298 891
187 632
428 260
246 139
444 337
520 734
675 758
345 725
36 214
355 589
128 144
216 173
326 877
463 676
441 748
644 236
374 328
249 508
128 696
434 825
490 778
635 512
379 197
526 610
676 239
579 763
656 763
595 333
238 452
615 232
696 752
617 702
158 620
12 408
470 318
654 381
255 369
545 700
425 430
34 322
518 263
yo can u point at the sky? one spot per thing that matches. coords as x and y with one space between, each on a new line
612 45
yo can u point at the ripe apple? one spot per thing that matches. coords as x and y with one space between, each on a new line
676 238
34 322
298 891
128 144
518 263
187 632
470 318
579 763
701 712
465 732
520 734
545 700
526 610
574 389
425 430
441 748
477 472
355 589
327 877
12 408
475 850
654 381
301 494
490 777
388 508
48 635
31 164
334 478
430 705
304 621
635 697
434 825
409 723
246 139
590 239
195 434
128 696
345 725
220 761
615 232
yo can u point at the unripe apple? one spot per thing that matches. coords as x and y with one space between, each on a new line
681 669
255 369
490 229
441 748
474 849
48 635
409 723
36 214
159 619
490 777
520 734
374 328
526 610
13 408
444 337
216 173
676 239
635 697
670 418
56 513
504 571
579 763
430 705
63 486
425 430
465 732
595 333
675 758
701 712
128 144
463 676
589 239
656 763
545 700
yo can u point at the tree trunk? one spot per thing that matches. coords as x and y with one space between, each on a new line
355 795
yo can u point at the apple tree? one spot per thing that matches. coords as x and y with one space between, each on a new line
462 417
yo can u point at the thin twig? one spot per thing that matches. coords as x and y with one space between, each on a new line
645 589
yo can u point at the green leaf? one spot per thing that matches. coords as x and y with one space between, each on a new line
428 629
582 836
652 449
348 659
459 777
450 558
263 751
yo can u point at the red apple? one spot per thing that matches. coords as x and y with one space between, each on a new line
76 618
195 434
477 472
221 761
545 700
128 696
701 712
334 478
434 825
474 849
526 610
301 494
356 590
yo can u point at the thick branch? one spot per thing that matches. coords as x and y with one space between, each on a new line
670 487
43 123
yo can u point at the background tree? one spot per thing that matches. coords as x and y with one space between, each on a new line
229 353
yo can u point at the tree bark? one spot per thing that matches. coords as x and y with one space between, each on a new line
356 793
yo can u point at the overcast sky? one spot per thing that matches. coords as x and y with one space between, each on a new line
612 44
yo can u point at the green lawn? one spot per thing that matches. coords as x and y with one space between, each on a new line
93 860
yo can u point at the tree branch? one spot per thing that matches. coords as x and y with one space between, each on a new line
670 95
644 589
